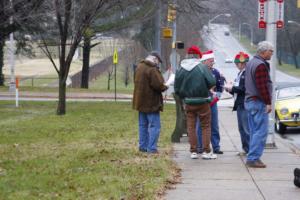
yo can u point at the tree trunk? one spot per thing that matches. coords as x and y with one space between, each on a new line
295 59
108 80
2 42
86 63
279 58
61 107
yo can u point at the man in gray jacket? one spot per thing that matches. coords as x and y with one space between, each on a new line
258 100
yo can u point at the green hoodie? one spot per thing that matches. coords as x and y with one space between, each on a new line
193 81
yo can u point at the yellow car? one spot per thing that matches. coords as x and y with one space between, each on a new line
287 106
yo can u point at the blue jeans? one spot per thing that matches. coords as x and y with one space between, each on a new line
242 118
149 129
258 126
215 135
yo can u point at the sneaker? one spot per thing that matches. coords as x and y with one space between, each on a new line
218 152
194 155
297 177
208 156
255 164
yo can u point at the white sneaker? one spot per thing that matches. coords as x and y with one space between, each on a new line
209 156
194 155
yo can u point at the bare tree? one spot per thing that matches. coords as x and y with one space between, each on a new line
126 14
16 15
70 19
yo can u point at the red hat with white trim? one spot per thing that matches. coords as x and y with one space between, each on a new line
194 50
207 55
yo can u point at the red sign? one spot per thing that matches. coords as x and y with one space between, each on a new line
262 14
279 24
280 9
262 24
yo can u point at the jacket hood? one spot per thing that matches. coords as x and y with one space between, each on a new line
189 64
149 63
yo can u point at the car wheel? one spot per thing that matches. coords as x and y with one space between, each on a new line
279 127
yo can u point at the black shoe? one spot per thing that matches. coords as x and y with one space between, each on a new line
297 177
199 151
218 152
142 150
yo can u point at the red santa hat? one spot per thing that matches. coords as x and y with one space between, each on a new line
194 50
207 55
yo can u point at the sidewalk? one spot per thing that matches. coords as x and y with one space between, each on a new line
227 177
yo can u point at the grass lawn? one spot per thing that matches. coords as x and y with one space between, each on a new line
90 153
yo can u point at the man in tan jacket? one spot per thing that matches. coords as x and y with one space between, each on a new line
148 100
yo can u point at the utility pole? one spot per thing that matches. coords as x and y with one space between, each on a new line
173 53
12 84
271 36
157 44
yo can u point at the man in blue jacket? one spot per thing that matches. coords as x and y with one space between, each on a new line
215 93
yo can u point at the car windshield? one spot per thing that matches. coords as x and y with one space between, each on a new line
288 92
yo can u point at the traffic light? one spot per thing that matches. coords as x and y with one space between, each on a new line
167 32
171 13
179 45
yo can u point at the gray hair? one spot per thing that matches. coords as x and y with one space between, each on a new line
264 46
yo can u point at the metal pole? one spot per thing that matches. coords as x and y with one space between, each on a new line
271 36
12 84
240 27
173 53
158 27
115 82
251 32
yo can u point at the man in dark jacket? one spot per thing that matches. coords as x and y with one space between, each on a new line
208 59
192 84
258 102
148 100
237 89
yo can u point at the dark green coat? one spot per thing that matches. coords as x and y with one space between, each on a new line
148 88
193 81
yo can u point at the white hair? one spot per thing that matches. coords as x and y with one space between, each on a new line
264 46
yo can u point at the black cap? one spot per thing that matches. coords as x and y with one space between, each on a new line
156 54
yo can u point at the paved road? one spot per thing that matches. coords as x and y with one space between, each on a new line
226 47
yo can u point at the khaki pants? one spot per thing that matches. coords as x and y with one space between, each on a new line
203 112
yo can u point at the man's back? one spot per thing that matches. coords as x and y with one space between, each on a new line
193 80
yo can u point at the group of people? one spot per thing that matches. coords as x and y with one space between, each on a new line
199 85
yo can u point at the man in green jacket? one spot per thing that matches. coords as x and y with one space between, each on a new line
192 84
148 100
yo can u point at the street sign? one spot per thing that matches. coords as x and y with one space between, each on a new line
280 11
115 57
262 14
